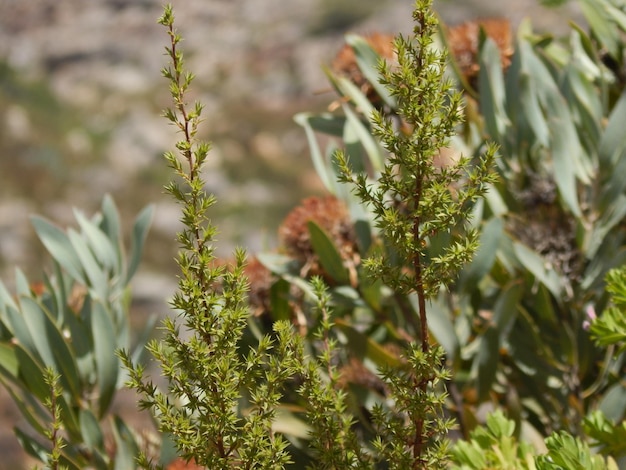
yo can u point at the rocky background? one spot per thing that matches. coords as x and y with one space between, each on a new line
81 94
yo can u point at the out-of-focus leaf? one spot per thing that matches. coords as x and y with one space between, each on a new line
107 364
536 265
20 330
36 322
326 123
485 257
6 300
492 93
279 299
99 243
30 409
142 339
372 148
31 446
601 25
330 258
367 59
353 148
289 424
31 373
613 403
138 238
126 448
90 429
97 280
111 220
487 361
316 154
442 328
505 308
362 346
59 246
51 344
613 215
22 286
80 334
612 144
9 365
350 90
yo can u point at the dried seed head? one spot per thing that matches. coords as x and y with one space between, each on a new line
463 43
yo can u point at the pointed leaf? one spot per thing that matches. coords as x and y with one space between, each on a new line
367 59
487 362
97 279
111 220
90 429
316 154
140 232
99 243
330 258
107 364
59 246
362 346
126 448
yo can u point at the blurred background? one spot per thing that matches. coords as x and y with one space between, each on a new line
81 95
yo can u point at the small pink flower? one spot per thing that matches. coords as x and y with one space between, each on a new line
591 316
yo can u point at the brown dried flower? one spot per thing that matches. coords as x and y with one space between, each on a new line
345 63
463 43
261 280
332 216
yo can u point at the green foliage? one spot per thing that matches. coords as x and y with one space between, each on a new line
58 338
209 369
610 328
493 446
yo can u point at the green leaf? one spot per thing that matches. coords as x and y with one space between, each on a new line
51 344
9 365
99 243
138 238
367 59
536 265
319 163
107 364
371 146
22 286
330 258
492 92
505 308
596 15
111 220
126 448
31 373
441 326
613 402
326 123
485 257
613 143
279 300
96 277
20 330
362 346
487 361
31 446
90 429
59 246
31 410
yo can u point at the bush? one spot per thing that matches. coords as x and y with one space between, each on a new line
437 283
